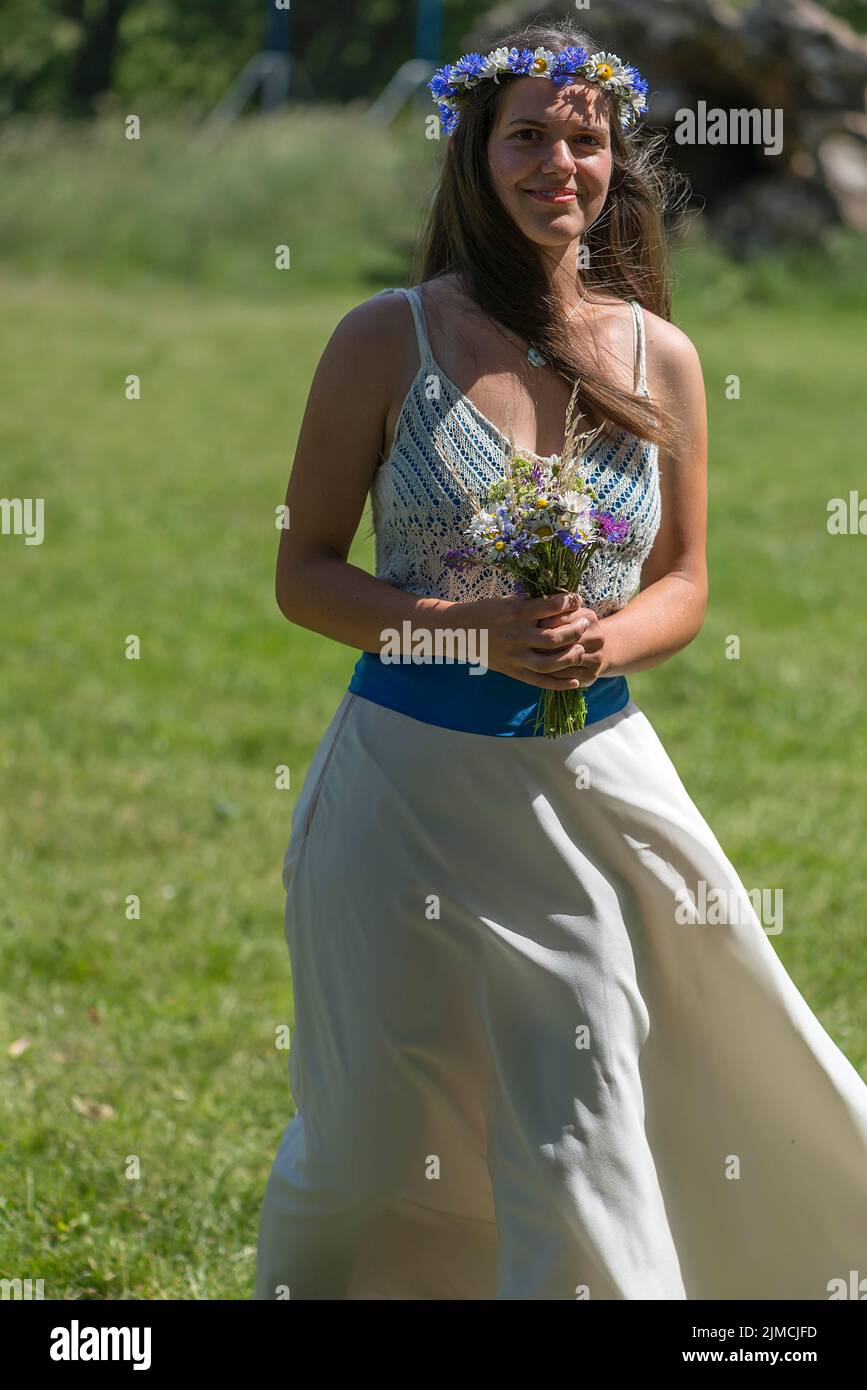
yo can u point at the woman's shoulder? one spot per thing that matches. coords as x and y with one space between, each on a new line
671 356
662 336
376 332
375 316
674 371
383 324
672 349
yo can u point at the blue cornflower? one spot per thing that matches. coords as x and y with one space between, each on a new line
571 542
441 84
449 117
521 545
522 60
567 64
471 64
636 81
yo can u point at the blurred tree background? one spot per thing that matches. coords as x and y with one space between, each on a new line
71 57
74 57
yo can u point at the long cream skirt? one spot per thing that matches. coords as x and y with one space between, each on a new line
529 1060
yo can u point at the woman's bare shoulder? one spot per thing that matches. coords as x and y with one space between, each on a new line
375 322
369 347
673 350
674 374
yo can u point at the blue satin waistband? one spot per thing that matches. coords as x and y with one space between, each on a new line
447 694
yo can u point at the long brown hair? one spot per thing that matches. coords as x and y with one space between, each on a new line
467 234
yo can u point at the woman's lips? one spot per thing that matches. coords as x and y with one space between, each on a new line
553 195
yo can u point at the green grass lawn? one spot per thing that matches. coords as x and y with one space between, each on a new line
156 1037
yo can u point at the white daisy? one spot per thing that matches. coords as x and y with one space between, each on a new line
540 519
497 61
543 61
607 68
576 502
484 526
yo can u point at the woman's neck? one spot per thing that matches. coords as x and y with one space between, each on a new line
564 278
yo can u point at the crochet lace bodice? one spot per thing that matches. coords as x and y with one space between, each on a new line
420 512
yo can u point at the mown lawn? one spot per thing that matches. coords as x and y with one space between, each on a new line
155 1037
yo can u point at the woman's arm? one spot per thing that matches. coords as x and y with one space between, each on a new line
339 446
669 610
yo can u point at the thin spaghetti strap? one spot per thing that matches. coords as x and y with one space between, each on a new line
422 339
639 346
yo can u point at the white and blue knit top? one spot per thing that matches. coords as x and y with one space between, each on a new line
420 512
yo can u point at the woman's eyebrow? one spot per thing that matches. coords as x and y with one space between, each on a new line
534 120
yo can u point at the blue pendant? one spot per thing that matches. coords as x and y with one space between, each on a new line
535 356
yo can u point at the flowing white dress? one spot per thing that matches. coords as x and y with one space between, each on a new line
519 1072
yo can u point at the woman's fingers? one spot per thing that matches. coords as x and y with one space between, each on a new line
543 641
548 639
549 606
555 661
549 682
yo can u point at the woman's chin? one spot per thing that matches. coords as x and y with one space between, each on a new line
552 230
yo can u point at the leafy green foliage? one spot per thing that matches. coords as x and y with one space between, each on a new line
76 57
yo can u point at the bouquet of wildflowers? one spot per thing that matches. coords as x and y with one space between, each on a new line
540 524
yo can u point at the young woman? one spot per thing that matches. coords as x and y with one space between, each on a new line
523 1069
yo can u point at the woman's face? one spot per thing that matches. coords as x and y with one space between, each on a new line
550 157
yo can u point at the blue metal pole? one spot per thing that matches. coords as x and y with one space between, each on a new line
275 81
429 30
277 28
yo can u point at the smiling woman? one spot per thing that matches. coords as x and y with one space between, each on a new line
520 1073
547 142
564 161
569 123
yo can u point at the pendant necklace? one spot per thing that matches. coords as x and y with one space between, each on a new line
534 356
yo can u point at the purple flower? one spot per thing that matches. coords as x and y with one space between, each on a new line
612 529
460 558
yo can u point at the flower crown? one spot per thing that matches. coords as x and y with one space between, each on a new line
605 70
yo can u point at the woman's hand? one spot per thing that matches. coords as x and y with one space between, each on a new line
554 643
